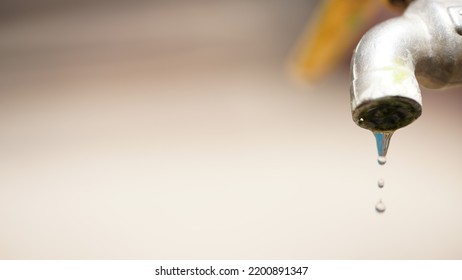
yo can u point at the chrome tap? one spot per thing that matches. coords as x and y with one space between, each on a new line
421 47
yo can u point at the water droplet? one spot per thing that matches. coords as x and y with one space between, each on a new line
381 183
383 141
380 207
381 160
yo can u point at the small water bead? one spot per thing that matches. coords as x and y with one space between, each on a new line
380 207
382 160
381 183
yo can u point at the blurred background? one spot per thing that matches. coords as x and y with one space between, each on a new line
173 130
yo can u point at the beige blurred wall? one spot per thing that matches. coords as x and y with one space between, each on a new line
171 130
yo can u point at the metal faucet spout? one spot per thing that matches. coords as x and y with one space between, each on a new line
420 47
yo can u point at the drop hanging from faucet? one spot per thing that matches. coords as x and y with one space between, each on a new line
382 139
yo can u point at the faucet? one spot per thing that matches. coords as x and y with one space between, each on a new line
421 47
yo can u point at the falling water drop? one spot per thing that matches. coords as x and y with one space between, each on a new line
381 183
380 207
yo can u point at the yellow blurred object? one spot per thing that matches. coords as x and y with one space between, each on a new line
331 33
396 5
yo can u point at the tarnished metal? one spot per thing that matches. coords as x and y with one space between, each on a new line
421 47
456 15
